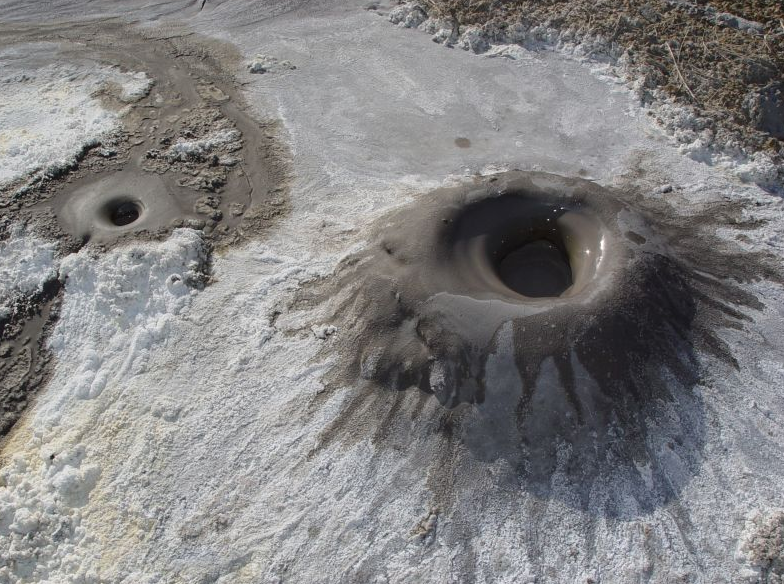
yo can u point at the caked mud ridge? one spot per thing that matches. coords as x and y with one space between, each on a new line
188 155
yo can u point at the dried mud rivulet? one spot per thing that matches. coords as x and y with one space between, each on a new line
723 60
594 374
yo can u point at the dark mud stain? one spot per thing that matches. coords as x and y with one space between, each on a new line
24 359
586 391
462 142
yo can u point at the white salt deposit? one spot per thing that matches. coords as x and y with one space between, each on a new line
27 262
50 111
184 150
175 441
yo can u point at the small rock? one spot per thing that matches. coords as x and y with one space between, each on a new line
738 23
323 331
765 109
409 15
268 64
236 209
207 205
195 223
212 93
228 160
649 13
664 189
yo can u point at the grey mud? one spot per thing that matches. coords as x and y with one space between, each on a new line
543 325
138 183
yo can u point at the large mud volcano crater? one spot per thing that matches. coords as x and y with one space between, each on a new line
559 325
521 246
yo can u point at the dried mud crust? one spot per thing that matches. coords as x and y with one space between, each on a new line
217 168
723 59
211 166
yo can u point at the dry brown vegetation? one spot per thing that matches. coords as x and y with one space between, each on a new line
725 57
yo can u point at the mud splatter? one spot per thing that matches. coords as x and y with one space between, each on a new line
573 392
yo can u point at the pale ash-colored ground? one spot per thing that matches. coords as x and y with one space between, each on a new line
175 441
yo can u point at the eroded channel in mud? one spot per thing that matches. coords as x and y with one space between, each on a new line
590 377
188 154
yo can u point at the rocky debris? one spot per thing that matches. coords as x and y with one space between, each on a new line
229 160
718 17
426 528
201 148
268 64
209 92
321 332
195 223
409 15
763 546
209 206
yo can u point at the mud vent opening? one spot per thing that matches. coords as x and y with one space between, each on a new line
537 269
125 213
523 245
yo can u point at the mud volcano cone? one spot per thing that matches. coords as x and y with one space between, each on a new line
557 324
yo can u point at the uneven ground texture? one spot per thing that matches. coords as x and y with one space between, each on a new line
192 433
724 59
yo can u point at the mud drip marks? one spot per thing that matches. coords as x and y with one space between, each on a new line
581 387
